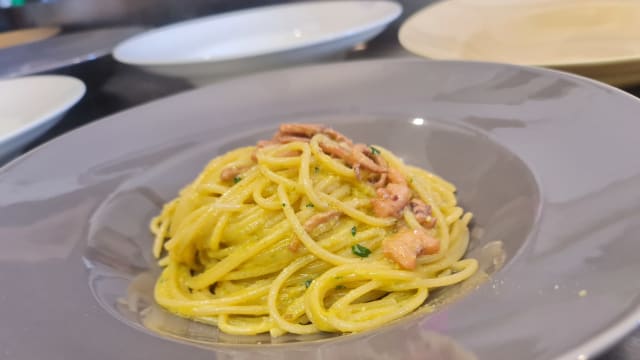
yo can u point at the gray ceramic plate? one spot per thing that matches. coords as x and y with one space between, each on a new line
547 162
62 51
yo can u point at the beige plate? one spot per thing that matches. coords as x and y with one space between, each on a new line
595 38
25 36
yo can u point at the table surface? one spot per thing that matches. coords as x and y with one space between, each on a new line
127 87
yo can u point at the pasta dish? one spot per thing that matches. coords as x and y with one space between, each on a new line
308 232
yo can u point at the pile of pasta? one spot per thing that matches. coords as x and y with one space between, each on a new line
308 232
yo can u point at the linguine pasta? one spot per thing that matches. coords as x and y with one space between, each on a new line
308 232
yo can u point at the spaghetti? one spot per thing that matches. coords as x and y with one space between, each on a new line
308 232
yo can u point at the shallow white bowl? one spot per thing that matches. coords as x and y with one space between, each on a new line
593 38
205 49
30 106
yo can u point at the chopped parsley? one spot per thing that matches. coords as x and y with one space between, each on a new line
236 179
340 287
316 169
283 204
374 151
309 205
354 231
307 283
360 250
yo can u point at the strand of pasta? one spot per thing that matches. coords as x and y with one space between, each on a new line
273 297
327 161
329 321
246 251
288 272
305 179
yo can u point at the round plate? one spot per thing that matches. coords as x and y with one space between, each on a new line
547 161
61 51
237 42
595 38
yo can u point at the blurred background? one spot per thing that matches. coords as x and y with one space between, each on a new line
78 14
107 78
113 86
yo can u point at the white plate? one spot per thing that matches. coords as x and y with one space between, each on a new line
204 49
29 106
595 38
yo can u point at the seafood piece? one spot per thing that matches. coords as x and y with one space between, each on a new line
422 213
300 130
393 197
285 138
382 180
309 130
405 246
354 156
391 200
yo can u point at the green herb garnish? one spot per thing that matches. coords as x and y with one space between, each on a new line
316 169
374 151
307 283
340 287
236 179
283 204
354 230
360 250
309 205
